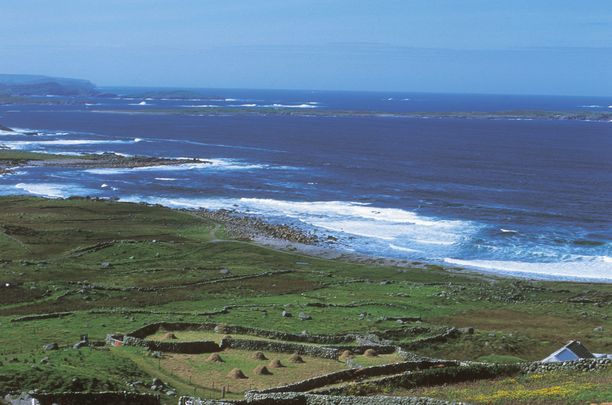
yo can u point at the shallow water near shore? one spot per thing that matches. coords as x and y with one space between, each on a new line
527 198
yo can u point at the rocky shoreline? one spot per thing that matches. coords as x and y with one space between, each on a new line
115 161
247 227
11 159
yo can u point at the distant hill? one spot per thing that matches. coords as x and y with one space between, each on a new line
35 85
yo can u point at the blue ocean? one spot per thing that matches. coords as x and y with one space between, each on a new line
528 198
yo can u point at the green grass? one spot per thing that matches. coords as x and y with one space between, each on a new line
168 262
23 156
500 358
562 387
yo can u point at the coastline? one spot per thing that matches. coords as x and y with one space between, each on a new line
11 159
588 116
244 226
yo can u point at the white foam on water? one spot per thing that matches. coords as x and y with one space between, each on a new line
360 219
502 230
165 179
580 267
403 249
21 145
52 190
17 131
350 218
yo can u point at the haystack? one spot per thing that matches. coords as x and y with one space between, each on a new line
276 363
347 354
259 356
262 370
215 358
296 358
236 374
170 336
370 353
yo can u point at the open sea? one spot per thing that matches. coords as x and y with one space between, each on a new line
529 198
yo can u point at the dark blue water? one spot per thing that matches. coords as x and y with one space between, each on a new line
529 198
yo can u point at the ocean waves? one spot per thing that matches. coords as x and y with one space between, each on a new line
379 227
33 145
52 190
585 268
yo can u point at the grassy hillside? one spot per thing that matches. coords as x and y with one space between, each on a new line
116 266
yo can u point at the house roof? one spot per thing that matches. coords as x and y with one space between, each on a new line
573 350
579 349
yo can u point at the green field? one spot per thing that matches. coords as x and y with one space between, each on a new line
115 267
558 387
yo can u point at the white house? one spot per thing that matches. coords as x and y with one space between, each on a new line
573 351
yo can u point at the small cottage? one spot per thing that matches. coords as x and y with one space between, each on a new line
572 351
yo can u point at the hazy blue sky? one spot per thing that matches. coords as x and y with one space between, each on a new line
481 46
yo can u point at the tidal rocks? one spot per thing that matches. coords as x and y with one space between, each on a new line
247 227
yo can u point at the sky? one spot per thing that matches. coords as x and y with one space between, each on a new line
449 46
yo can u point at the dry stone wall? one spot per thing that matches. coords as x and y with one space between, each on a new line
99 398
356 374
295 398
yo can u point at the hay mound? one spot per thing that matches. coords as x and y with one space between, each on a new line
262 370
236 374
169 336
275 364
259 356
296 358
347 354
370 353
215 358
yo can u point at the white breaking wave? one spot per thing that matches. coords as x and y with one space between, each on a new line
582 267
165 178
290 105
507 230
21 145
141 103
403 249
52 190
351 218
18 131
275 105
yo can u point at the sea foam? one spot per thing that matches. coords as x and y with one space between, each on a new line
52 190
586 268
24 145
